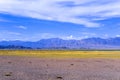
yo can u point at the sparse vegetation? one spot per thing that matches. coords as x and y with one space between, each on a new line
9 62
59 77
8 74
61 53
71 64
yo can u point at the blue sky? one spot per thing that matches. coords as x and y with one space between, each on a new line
32 20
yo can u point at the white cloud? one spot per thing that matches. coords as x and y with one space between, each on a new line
70 37
88 33
118 35
22 27
38 36
84 12
44 35
9 35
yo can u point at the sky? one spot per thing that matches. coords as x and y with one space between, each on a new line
32 20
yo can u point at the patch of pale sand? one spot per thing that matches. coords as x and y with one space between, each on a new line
25 68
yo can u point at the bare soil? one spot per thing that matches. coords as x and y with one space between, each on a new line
26 68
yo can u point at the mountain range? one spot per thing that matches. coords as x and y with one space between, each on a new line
57 43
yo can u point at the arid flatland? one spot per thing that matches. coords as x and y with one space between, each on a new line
63 67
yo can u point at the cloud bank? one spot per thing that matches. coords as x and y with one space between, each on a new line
83 12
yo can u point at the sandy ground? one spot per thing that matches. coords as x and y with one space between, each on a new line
23 68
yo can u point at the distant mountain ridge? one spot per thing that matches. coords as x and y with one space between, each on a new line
56 43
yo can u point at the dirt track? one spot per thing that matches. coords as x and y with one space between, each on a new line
23 68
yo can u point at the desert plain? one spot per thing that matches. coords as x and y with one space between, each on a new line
59 65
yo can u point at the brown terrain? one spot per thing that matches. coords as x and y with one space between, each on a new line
26 68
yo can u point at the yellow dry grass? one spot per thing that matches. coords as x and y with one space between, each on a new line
61 53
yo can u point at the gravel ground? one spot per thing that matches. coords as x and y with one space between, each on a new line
25 68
